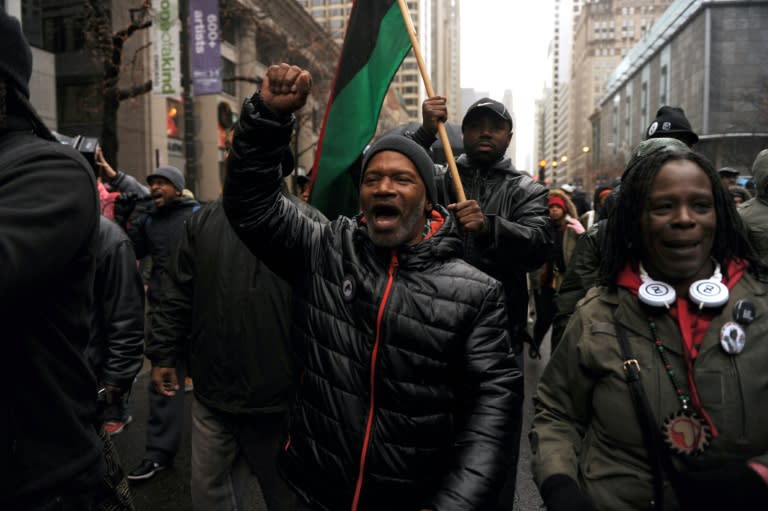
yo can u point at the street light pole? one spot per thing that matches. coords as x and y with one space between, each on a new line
190 150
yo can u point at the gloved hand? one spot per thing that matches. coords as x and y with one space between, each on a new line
561 493
732 486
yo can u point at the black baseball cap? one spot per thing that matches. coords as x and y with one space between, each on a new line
488 104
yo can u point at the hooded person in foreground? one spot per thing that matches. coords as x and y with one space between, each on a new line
655 398
409 394
50 451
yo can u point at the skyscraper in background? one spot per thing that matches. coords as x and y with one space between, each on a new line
437 25
603 32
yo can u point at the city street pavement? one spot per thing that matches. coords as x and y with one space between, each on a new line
169 489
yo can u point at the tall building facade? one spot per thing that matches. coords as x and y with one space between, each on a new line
604 32
703 57
509 104
443 25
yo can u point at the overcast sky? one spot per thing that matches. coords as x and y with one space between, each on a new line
504 46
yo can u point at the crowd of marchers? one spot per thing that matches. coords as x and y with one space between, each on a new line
375 362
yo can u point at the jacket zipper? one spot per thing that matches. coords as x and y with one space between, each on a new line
374 356
743 432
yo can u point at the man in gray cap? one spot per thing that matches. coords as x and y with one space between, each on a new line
50 451
156 232
409 393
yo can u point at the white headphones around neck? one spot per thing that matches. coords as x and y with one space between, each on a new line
709 292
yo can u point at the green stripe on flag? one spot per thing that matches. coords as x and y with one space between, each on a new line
353 117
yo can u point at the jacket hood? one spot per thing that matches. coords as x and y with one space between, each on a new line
571 208
760 174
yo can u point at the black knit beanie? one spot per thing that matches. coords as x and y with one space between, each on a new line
15 54
414 152
671 122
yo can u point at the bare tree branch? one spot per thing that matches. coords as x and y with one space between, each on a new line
137 90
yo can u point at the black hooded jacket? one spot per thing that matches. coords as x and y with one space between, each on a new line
49 214
408 394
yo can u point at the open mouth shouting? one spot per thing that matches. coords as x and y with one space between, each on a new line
384 217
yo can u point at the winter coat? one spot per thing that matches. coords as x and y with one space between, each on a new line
754 212
408 392
551 274
585 424
157 234
581 275
519 237
49 214
116 348
234 314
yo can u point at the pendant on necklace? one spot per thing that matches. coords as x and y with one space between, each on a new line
686 433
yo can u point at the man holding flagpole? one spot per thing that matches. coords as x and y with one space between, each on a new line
408 396
504 221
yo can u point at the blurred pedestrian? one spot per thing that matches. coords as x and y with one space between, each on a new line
408 394
50 451
546 281
754 212
728 176
739 194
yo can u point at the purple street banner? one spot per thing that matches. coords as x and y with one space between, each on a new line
204 46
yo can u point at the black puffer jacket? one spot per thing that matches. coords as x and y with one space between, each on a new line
409 393
520 235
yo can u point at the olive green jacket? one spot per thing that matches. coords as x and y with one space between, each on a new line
585 424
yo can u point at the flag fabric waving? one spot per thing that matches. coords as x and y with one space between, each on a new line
375 44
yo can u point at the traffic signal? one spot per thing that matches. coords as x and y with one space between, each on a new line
172 120
542 171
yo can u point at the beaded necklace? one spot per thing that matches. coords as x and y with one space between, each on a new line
684 431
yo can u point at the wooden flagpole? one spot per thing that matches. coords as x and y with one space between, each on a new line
431 93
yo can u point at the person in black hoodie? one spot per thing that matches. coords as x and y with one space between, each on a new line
50 451
408 393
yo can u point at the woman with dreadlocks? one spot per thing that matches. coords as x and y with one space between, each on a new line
656 397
